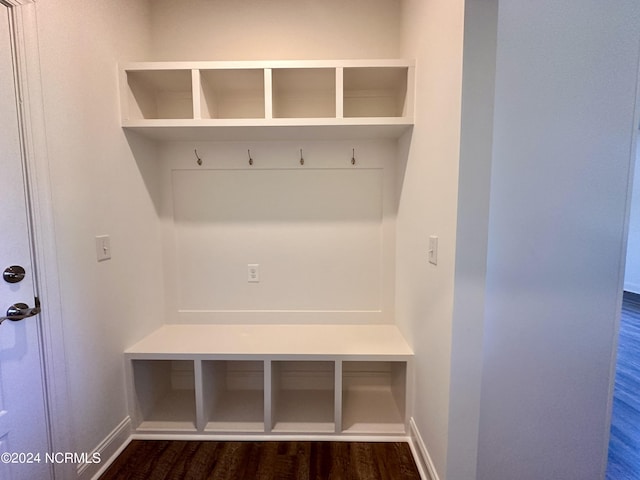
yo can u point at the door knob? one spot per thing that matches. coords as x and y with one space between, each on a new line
13 274
20 311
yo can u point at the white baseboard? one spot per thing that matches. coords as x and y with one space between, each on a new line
632 287
107 451
257 437
420 453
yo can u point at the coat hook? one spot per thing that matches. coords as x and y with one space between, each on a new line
301 158
250 159
199 160
353 157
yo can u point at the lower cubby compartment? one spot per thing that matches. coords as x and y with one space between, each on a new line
373 397
164 395
233 396
303 397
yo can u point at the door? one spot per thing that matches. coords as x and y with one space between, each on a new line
24 440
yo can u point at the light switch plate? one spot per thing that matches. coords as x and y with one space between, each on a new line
103 247
433 250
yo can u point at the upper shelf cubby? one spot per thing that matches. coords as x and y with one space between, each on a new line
375 91
304 92
228 94
159 94
268 100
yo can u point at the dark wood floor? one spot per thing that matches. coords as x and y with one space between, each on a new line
200 460
624 446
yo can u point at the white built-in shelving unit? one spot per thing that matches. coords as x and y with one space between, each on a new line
270 379
294 379
284 99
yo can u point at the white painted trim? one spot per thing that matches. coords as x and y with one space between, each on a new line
632 287
259 64
109 449
417 457
18 3
249 437
38 172
421 454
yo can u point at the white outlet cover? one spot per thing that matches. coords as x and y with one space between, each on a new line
253 273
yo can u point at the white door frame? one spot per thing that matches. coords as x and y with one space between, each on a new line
30 111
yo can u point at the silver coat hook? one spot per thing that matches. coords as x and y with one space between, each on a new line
301 158
199 160
250 159
353 157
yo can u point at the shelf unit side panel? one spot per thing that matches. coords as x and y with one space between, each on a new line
399 385
338 400
270 393
199 395
339 92
268 93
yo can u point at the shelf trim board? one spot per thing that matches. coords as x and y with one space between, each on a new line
268 395
268 95
257 131
200 395
196 88
339 92
410 98
337 398
264 64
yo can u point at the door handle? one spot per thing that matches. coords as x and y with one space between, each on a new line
20 311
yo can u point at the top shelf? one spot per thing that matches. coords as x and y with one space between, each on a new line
210 100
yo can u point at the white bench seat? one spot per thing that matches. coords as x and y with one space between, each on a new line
270 380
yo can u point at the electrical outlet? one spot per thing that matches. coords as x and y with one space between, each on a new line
103 247
253 273
432 253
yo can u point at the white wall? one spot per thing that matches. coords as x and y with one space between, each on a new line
323 232
98 188
478 84
432 33
281 29
564 116
275 29
632 270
